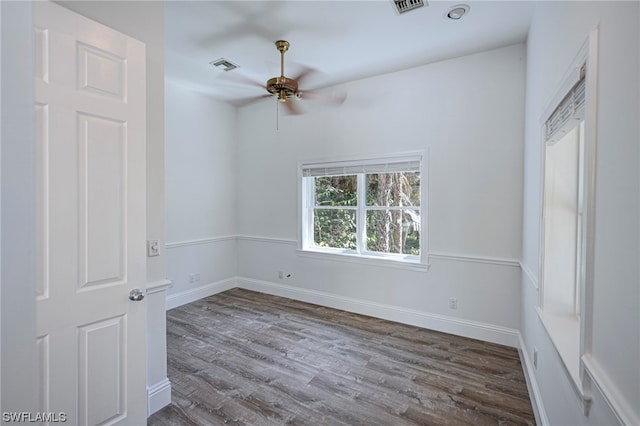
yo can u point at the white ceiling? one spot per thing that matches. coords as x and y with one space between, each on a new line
341 40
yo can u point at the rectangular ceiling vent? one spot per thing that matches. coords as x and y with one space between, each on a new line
403 6
224 64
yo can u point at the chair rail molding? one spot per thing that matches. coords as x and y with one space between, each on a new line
199 241
158 286
474 259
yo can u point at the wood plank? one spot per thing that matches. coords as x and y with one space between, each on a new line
247 358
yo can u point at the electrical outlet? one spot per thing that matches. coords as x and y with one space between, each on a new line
281 274
194 277
453 303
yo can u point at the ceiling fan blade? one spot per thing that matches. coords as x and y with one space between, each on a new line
306 72
333 99
243 80
245 21
292 108
247 101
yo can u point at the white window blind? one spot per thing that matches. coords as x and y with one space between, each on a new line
404 164
569 112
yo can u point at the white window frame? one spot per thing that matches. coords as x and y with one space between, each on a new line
571 333
306 204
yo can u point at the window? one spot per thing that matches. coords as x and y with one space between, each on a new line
566 222
563 199
563 211
366 208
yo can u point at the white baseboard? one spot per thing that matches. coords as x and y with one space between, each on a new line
158 396
532 384
460 327
456 326
191 295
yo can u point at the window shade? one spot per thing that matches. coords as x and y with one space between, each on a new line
568 113
393 165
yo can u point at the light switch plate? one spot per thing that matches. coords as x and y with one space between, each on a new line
153 248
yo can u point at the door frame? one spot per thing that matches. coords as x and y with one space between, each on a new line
18 210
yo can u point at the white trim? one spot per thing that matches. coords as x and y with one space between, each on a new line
457 326
475 259
304 227
530 276
255 238
381 261
577 383
614 398
158 286
588 54
513 263
199 241
393 163
532 384
568 80
158 396
193 294
589 196
364 158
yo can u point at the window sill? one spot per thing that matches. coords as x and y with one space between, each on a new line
382 261
564 332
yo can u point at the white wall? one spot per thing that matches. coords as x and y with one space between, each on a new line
200 192
468 112
558 30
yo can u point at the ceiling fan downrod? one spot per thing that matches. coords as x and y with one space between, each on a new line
283 87
282 46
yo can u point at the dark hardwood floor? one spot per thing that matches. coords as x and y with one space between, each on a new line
247 358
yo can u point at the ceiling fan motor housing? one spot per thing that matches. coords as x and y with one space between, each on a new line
277 85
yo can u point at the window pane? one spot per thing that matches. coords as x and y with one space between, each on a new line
562 212
336 190
393 231
393 189
335 228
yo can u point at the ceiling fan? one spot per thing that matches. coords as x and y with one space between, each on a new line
286 89
283 87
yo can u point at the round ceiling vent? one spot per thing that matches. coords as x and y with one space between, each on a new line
456 12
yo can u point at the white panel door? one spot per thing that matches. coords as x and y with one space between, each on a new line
90 117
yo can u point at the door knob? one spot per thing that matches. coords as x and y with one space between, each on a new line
136 295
